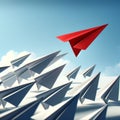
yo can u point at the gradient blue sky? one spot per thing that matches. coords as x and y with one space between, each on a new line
32 25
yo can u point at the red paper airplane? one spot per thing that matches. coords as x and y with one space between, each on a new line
80 40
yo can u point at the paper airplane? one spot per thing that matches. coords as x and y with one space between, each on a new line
20 94
99 114
58 96
18 61
89 89
46 94
88 72
73 73
6 92
38 67
65 111
19 113
56 59
111 91
81 40
48 79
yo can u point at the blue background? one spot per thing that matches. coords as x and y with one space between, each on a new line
32 25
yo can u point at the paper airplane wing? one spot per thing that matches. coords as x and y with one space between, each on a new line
90 37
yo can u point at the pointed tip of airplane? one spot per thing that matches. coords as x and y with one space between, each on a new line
118 77
62 55
63 65
78 67
65 54
57 52
93 66
99 73
104 25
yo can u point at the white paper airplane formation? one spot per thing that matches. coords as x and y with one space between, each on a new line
29 92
